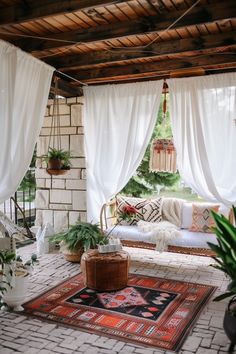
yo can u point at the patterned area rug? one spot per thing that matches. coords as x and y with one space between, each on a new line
150 311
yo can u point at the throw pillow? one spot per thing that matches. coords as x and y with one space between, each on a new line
123 202
147 209
152 210
202 221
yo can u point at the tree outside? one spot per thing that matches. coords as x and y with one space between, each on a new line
146 183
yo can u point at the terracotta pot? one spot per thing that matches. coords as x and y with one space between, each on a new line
54 164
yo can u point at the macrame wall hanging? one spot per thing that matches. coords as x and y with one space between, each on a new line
163 153
163 156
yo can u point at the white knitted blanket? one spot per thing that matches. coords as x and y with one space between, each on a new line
162 233
172 210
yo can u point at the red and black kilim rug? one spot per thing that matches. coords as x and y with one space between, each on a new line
149 311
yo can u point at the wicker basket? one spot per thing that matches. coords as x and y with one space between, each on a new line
73 257
105 272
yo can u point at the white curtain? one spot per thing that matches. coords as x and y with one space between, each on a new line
118 121
24 88
203 113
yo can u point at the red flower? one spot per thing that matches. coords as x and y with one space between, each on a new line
129 210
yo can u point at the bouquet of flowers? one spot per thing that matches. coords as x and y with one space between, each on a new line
111 244
128 213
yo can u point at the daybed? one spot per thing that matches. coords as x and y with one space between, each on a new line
184 215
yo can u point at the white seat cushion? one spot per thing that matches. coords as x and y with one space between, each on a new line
187 238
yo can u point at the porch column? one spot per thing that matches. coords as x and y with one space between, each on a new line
60 200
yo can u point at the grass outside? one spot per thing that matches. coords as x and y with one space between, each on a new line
182 193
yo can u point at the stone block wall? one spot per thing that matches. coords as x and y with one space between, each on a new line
60 200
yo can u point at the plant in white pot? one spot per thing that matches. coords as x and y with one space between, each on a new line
14 279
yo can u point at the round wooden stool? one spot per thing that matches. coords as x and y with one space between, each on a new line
105 271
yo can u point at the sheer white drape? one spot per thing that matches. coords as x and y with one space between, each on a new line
24 88
118 121
203 110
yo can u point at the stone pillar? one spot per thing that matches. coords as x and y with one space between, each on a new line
60 200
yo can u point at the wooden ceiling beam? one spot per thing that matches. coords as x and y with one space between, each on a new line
33 10
155 68
199 15
67 89
190 45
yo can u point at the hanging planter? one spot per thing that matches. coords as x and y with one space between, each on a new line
57 159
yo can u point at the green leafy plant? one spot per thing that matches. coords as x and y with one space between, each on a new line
59 154
81 235
225 250
10 264
6 259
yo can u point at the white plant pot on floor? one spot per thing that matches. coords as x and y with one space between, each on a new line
14 297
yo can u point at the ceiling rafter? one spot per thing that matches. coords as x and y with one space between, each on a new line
145 25
167 42
165 66
179 46
34 10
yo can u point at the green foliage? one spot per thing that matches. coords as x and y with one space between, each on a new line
63 155
28 181
6 257
10 263
80 235
145 182
225 250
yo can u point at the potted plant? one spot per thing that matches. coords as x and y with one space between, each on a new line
14 279
78 238
58 159
226 262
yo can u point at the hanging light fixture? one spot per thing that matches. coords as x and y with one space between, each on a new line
163 153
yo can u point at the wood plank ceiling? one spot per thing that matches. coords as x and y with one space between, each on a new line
114 41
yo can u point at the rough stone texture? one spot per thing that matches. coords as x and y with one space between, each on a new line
75 184
79 200
78 162
40 183
55 193
73 217
77 144
76 115
58 183
60 196
42 199
20 333
61 220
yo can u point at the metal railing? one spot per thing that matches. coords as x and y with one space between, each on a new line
25 199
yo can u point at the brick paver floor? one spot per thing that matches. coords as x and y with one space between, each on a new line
18 333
